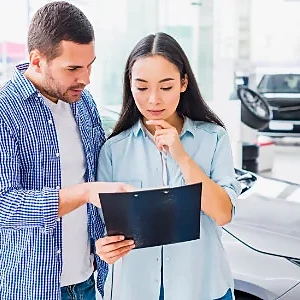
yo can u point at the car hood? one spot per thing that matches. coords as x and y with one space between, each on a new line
291 100
268 218
281 95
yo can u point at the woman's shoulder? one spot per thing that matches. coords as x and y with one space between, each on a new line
208 128
118 138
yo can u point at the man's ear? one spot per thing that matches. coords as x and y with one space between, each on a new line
36 60
184 83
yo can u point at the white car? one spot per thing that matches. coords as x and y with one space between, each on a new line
263 240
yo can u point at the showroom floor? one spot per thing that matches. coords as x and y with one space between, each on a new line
287 160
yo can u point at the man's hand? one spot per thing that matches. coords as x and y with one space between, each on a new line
112 248
94 188
74 196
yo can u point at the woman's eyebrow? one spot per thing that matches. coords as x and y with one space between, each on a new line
163 80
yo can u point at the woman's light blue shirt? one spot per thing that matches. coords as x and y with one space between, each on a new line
195 270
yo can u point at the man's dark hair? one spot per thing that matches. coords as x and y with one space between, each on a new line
56 22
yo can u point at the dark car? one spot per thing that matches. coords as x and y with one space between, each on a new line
282 92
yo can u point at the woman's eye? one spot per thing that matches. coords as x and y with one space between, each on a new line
141 89
166 88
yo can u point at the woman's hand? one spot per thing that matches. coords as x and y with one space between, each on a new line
112 248
166 137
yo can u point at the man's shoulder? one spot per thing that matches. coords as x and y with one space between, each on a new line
8 97
7 91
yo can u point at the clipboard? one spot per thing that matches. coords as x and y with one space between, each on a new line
154 217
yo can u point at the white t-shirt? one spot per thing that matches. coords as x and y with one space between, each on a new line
76 251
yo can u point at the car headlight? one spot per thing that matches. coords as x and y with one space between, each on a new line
295 261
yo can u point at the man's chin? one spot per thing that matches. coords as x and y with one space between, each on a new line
72 98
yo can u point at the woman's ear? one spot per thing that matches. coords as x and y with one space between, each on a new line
184 83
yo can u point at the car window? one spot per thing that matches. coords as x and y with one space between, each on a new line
280 83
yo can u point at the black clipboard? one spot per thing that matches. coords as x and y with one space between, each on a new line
154 217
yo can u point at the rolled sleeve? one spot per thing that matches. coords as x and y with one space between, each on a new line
21 207
222 169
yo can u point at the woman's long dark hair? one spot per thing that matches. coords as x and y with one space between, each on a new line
191 103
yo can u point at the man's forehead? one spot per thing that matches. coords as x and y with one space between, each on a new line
73 54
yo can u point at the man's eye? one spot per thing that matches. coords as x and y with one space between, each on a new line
72 69
141 89
166 88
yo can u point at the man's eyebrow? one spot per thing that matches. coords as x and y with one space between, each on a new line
79 67
163 80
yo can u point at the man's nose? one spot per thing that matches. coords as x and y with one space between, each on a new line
84 78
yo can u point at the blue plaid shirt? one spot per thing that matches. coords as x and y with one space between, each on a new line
30 178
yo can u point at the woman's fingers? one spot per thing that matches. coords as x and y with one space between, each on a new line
111 248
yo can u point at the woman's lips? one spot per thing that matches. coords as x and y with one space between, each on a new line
156 112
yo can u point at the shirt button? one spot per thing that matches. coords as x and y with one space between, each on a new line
57 187
57 154
50 122
58 219
58 251
167 258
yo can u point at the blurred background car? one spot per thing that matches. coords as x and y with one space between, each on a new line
282 92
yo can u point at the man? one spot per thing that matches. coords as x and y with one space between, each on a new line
50 137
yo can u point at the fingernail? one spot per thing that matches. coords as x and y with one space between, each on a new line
121 238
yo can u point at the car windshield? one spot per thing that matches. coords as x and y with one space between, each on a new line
280 83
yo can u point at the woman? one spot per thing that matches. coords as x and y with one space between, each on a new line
167 135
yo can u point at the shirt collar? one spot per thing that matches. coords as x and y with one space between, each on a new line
138 129
188 128
24 86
